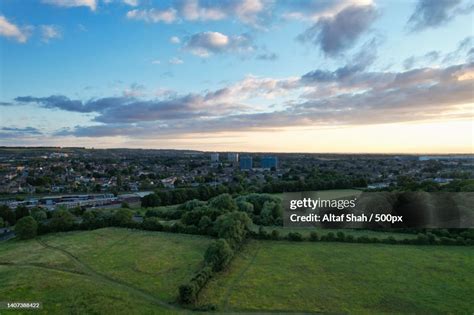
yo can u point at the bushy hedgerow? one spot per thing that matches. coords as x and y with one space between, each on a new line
295 237
188 293
314 237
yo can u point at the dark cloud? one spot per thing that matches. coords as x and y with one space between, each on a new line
130 109
427 58
463 51
434 13
13 132
267 56
340 32
56 101
358 63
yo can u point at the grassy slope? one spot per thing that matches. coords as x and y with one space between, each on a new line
354 278
107 271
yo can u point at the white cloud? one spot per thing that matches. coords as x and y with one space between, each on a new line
313 11
250 12
153 15
175 40
8 29
49 32
207 43
175 61
132 3
156 62
191 10
91 4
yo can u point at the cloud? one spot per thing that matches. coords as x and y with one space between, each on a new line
359 62
156 62
463 51
315 10
49 32
248 12
340 32
207 43
134 90
10 30
417 95
14 132
153 15
175 61
427 58
132 3
91 4
175 40
267 56
432 14
348 95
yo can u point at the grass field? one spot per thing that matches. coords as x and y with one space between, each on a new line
103 271
346 278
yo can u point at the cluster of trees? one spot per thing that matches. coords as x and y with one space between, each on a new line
263 209
231 227
180 195
10 217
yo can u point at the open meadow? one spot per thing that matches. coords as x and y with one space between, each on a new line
108 270
339 278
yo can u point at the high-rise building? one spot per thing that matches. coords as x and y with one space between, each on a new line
233 157
269 161
214 157
246 163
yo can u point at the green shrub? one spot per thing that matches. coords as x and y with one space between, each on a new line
26 228
295 237
314 237
218 255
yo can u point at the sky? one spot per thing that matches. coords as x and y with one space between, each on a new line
343 76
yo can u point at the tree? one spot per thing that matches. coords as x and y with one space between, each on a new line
233 226
205 224
223 202
245 206
62 220
152 224
21 211
26 228
123 217
2 223
151 200
39 215
218 255
295 236
7 214
270 213
187 293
